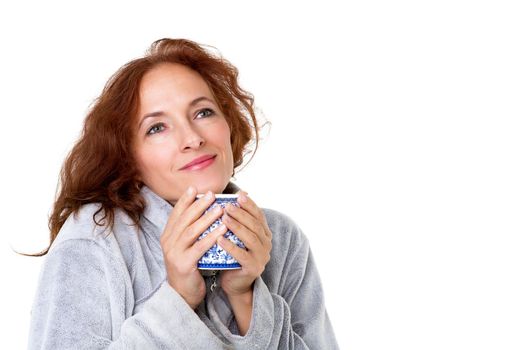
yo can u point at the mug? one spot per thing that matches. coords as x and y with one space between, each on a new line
216 258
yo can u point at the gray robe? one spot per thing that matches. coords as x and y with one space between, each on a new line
108 290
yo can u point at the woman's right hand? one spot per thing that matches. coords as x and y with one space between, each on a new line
181 248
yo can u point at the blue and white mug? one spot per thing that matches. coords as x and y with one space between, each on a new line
216 258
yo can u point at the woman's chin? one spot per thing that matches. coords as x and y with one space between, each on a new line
215 186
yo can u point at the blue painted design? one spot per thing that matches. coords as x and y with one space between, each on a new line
217 258
219 266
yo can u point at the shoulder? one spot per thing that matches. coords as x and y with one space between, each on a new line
284 229
82 226
290 251
279 219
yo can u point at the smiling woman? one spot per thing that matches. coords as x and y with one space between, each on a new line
121 270
183 139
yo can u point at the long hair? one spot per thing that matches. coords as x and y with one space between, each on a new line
101 167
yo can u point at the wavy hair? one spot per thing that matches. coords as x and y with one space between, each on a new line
101 167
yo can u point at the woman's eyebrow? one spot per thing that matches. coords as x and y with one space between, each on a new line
199 99
151 115
161 113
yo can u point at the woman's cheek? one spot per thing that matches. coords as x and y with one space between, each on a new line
159 138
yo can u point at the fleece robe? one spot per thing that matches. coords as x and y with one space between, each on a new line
107 289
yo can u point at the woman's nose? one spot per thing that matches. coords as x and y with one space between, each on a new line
194 143
191 138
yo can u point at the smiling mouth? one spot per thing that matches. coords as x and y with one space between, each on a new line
200 165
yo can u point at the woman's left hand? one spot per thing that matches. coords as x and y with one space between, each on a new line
249 224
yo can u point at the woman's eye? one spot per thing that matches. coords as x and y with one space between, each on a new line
155 129
206 112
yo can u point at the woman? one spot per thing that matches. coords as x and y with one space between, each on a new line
121 271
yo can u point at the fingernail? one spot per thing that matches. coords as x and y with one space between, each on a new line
189 191
209 195
242 198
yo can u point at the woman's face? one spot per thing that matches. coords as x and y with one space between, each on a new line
178 122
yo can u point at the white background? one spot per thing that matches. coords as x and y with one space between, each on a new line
397 145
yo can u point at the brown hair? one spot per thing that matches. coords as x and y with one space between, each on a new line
101 166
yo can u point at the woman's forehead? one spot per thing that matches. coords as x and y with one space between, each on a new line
172 81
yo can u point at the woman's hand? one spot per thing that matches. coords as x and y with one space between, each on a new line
249 224
181 249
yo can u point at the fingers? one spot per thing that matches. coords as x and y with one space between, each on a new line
192 232
182 204
249 224
187 210
250 207
242 216
200 247
195 210
247 236
187 222
183 249
239 254
250 216
253 262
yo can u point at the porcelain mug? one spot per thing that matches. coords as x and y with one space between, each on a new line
216 258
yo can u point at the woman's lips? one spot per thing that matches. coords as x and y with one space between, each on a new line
201 165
